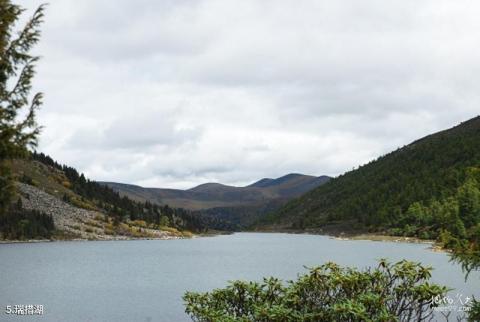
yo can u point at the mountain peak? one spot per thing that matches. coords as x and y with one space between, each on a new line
261 183
208 187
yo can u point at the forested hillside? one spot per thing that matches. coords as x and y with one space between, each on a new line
428 189
85 209
122 207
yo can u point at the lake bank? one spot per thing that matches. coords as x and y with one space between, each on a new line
118 238
34 241
434 245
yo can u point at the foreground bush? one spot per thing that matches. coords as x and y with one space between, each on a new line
390 292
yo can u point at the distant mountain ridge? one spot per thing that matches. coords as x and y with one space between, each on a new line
238 207
214 195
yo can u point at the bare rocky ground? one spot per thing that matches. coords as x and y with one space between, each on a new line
81 223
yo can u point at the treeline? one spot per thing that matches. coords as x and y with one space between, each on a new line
238 218
20 224
121 208
453 220
419 190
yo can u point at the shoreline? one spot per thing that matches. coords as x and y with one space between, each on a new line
117 238
34 241
434 246
114 238
385 238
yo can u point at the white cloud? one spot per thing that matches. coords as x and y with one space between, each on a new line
176 93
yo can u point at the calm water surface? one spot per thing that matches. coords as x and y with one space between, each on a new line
144 280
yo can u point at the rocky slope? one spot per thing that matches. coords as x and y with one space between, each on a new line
80 223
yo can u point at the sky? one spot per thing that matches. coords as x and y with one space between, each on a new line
176 93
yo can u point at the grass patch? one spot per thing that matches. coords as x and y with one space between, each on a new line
139 223
94 224
82 204
170 230
187 234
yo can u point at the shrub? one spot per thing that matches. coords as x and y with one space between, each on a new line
164 221
410 230
81 204
170 230
26 179
390 292
396 232
139 223
474 313
424 235
187 234
94 224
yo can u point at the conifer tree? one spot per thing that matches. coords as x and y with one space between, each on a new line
18 128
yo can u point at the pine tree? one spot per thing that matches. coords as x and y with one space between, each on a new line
469 203
17 68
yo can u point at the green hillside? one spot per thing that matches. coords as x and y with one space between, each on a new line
423 189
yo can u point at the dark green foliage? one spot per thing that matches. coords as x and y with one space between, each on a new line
237 218
474 313
7 190
468 198
20 224
422 189
453 221
390 292
26 179
16 73
379 193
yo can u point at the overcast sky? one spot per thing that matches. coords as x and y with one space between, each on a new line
175 93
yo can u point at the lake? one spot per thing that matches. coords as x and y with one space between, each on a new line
143 280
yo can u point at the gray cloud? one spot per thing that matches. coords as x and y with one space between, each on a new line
136 132
176 93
